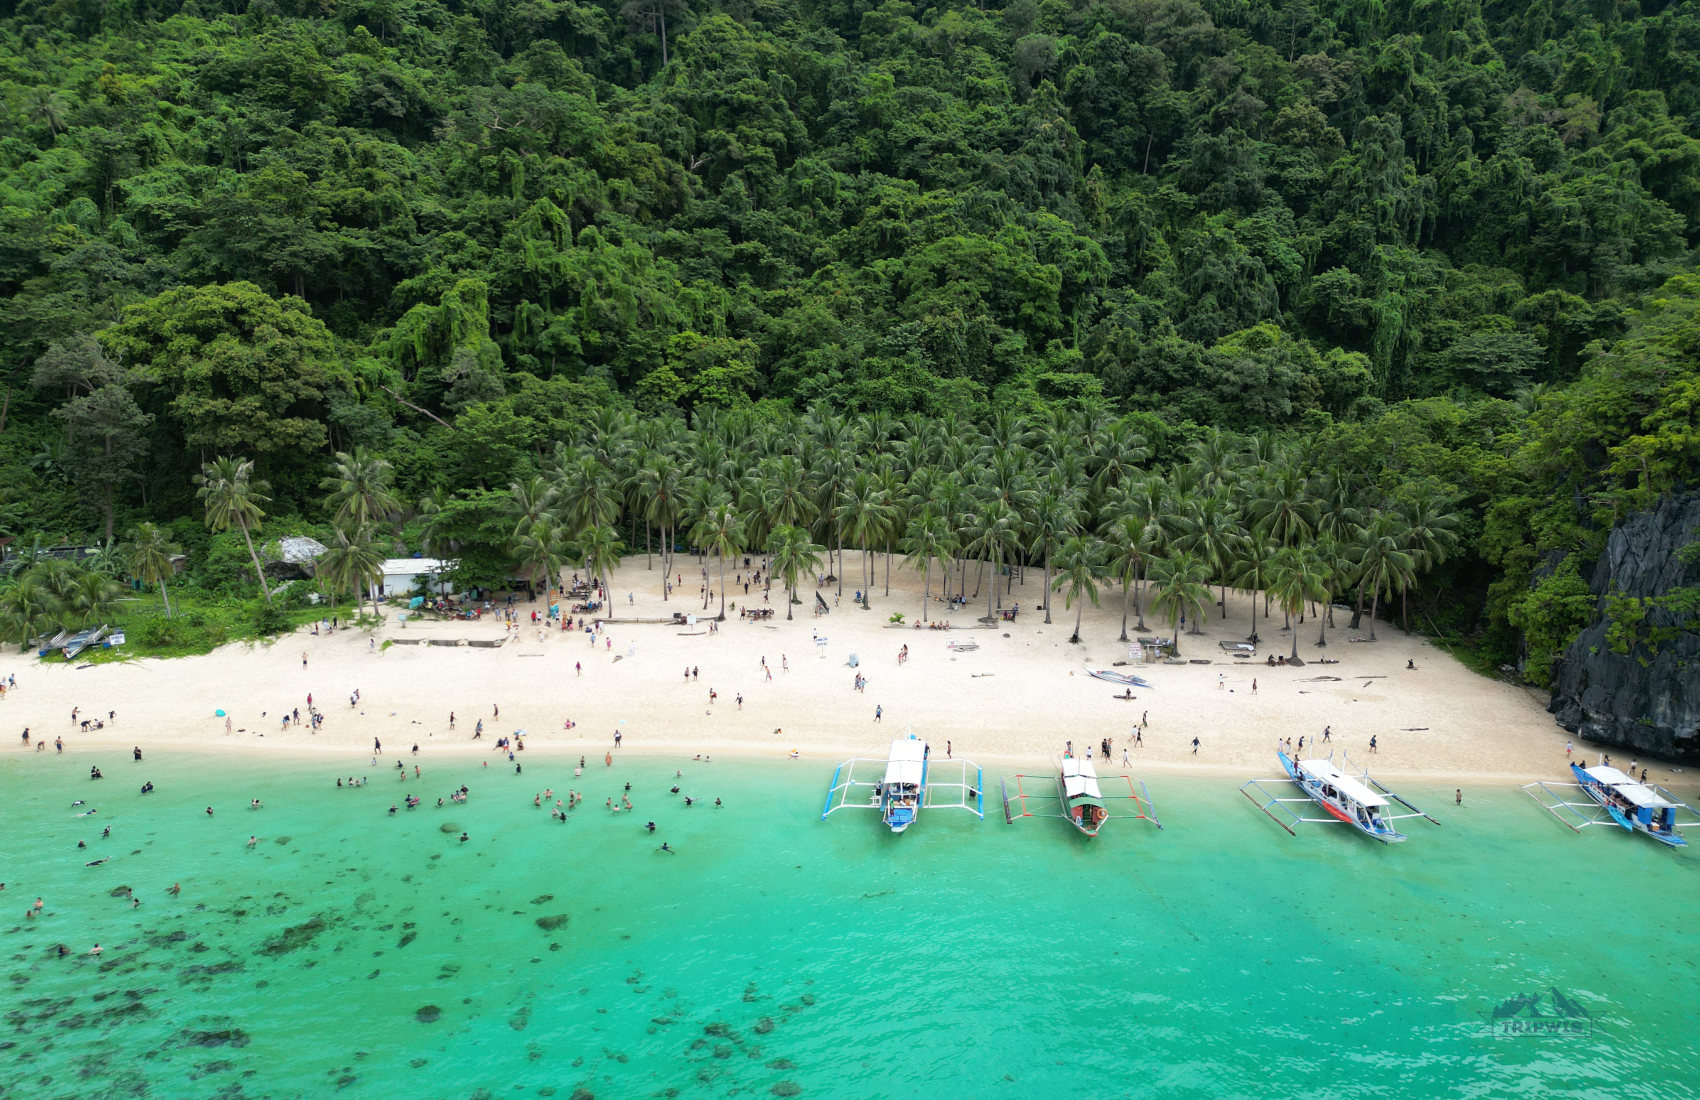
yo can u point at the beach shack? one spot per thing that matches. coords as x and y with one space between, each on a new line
402 575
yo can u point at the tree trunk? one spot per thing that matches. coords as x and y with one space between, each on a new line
722 585
1322 620
258 572
926 587
1374 605
790 599
1079 610
991 594
1223 604
1139 597
166 596
1047 596
1123 638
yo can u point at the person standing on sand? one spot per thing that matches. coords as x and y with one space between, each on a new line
879 712
1195 746
947 750
1372 742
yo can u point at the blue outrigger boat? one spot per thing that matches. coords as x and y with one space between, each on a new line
1616 799
909 782
1345 799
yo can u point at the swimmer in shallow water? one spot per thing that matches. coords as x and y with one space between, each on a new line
665 848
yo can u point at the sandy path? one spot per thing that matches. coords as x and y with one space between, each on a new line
1013 701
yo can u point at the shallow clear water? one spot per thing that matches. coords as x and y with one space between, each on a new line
774 951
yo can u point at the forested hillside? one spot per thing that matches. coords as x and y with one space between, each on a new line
1387 262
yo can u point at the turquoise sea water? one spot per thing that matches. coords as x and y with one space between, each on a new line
354 954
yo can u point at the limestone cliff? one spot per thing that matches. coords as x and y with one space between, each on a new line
1647 700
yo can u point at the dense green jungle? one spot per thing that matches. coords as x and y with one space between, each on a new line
1393 304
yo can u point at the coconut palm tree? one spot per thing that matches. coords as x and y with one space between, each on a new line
1431 534
531 501
862 513
362 489
1251 570
27 608
1333 567
794 555
720 529
600 549
991 535
1211 531
233 496
1295 575
1054 519
1182 586
1080 566
149 554
540 551
663 496
1384 566
89 599
928 537
354 562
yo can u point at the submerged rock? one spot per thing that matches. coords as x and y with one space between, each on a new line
552 922
295 937
429 1014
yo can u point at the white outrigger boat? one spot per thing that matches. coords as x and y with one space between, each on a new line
1079 796
909 782
1344 798
1616 799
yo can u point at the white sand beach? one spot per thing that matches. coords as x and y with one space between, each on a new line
1014 700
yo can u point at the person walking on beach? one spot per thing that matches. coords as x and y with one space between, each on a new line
303 658
1328 734
1125 760
878 713
1195 746
1568 747
1372 742
377 747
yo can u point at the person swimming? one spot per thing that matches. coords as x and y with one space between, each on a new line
650 826
666 849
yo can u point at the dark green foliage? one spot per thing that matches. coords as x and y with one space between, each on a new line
1437 243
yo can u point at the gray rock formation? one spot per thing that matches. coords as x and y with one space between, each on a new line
1645 700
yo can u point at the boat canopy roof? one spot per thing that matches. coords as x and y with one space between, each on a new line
1348 787
906 762
1637 794
1080 779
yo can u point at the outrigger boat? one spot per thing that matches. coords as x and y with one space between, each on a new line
1344 798
1079 796
1615 799
909 782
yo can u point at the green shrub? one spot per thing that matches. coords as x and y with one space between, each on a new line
270 620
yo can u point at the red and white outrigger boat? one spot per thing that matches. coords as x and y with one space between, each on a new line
1344 798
